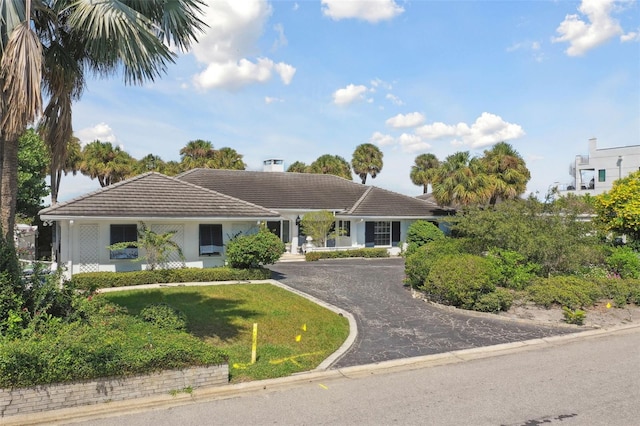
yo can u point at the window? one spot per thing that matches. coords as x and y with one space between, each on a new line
211 240
124 234
286 238
602 175
381 233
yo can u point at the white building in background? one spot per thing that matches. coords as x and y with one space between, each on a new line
595 173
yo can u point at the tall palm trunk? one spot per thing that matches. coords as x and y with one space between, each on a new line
9 187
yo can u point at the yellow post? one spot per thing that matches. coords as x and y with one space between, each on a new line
254 346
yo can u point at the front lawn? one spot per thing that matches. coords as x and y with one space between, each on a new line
294 334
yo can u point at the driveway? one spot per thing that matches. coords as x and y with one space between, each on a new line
391 323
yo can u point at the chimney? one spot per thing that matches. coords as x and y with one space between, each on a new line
273 165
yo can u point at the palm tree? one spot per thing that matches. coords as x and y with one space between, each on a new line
331 165
196 154
507 170
227 158
71 165
149 163
298 167
424 170
461 181
128 36
107 163
367 160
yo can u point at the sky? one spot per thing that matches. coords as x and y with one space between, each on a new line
295 80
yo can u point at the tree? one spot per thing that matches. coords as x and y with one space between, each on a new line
317 225
618 209
32 167
298 167
149 163
105 162
227 158
507 172
131 37
72 161
157 247
331 165
367 160
461 181
196 154
424 170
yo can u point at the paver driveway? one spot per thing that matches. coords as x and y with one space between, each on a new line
391 323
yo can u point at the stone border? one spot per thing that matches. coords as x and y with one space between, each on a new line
67 395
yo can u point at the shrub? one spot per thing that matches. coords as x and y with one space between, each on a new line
340 254
576 317
94 280
418 264
420 233
620 291
164 316
515 272
255 250
572 292
460 280
625 262
499 300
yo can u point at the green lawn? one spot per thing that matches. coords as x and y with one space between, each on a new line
223 315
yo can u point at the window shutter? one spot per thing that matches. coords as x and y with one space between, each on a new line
395 233
369 236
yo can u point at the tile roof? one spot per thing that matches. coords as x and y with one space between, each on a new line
280 190
156 195
307 191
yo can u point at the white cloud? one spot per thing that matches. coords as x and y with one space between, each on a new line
349 94
100 131
488 129
269 100
375 83
583 36
230 41
282 39
413 119
630 36
370 10
394 99
381 139
412 143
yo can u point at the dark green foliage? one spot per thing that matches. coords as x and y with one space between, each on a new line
340 254
553 236
496 301
32 168
255 250
418 264
105 346
572 292
625 262
460 280
95 280
420 233
164 316
620 291
515 273
10 300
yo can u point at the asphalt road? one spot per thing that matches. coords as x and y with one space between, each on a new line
391 323
582 381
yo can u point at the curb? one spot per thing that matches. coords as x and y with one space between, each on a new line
113 409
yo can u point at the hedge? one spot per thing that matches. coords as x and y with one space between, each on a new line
95 280
340 254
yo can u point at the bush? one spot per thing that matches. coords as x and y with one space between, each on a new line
620 291
576 317
164 316
418 264
515 272
341 254
94 280
420 233
625 262
255 250
460 280
572 292
499 300
107 346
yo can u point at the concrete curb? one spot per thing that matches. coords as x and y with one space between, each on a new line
89 412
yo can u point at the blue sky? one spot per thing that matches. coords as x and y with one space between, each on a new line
296 80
